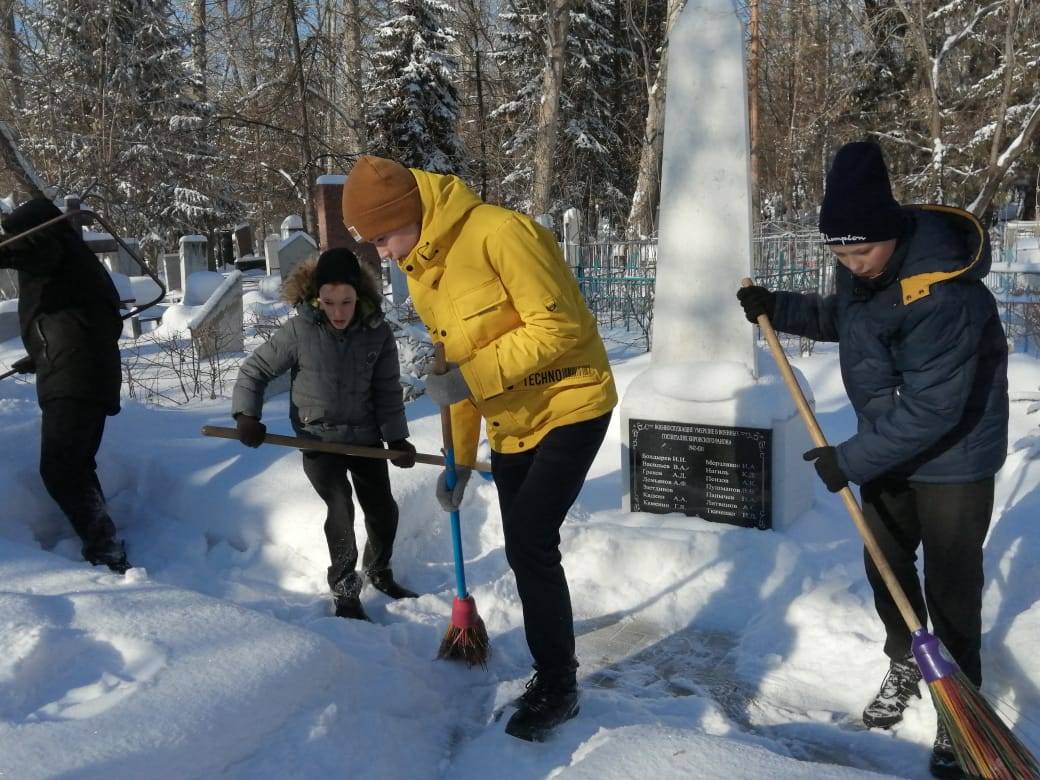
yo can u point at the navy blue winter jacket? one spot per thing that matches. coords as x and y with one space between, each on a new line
923 354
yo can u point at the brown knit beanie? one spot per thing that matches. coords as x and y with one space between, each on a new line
379 196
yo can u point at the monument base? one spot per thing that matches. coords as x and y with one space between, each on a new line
709 440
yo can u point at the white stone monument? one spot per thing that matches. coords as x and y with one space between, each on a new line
193 256
709 429
297 248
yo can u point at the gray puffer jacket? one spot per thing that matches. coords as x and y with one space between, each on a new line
345 384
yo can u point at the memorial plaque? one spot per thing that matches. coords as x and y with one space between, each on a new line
715 472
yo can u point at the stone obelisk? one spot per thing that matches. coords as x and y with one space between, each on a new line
708 429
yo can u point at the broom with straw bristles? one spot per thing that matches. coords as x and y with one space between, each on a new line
466 638
984 745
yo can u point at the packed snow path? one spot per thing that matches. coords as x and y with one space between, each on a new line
706 650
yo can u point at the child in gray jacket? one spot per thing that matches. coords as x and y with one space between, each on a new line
345 388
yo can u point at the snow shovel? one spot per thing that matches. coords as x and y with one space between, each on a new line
984 745
337 449
466 638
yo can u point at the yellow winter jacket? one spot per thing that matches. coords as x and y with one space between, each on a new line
492 286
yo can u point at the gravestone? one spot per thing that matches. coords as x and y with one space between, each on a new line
271 244
291 224
193 257
332 233
9 324
171 270
298 248
709 429
243 241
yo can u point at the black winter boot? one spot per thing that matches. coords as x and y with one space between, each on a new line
944 761
901 683
384 582
109 552
346 594
548 701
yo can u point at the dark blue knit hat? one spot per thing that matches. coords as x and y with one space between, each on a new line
858 206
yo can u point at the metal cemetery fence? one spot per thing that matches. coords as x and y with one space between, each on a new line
617 280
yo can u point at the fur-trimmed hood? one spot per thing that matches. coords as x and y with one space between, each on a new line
299 291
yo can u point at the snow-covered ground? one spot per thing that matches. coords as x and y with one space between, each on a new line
707 650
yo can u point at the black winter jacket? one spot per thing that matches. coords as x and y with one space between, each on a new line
923 354
68 309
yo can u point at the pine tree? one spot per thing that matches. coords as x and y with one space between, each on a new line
416 105
588 145
592 147
520 58
109 114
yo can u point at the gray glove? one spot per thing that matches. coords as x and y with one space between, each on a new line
451 500
449 387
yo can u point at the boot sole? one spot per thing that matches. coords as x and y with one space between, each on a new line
541 734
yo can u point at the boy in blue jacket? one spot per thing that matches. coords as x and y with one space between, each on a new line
924 361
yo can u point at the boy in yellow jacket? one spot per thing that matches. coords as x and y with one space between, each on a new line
526 357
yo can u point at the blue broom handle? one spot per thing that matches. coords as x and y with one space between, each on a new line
440 365
450 480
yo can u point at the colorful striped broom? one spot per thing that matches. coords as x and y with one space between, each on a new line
466 638
984 745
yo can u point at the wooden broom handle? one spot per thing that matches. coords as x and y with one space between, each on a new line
335 448
440 366
851 504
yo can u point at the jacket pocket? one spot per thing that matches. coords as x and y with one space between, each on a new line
486 313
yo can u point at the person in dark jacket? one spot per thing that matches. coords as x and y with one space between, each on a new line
345 388
923 357
68 310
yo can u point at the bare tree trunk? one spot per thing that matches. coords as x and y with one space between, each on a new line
12 72
310 221
549 112
1000 160
352 65
198 48
753 57
642 216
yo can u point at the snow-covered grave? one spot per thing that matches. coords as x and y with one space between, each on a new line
709 429
211 311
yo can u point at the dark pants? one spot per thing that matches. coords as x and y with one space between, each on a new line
535 491
69 440
950 522
328 474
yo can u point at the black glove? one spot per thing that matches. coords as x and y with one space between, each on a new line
24 366
826 463
407 460
756 300
251 431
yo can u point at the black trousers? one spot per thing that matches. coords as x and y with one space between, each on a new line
71 432
535 491
328 474
949 522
